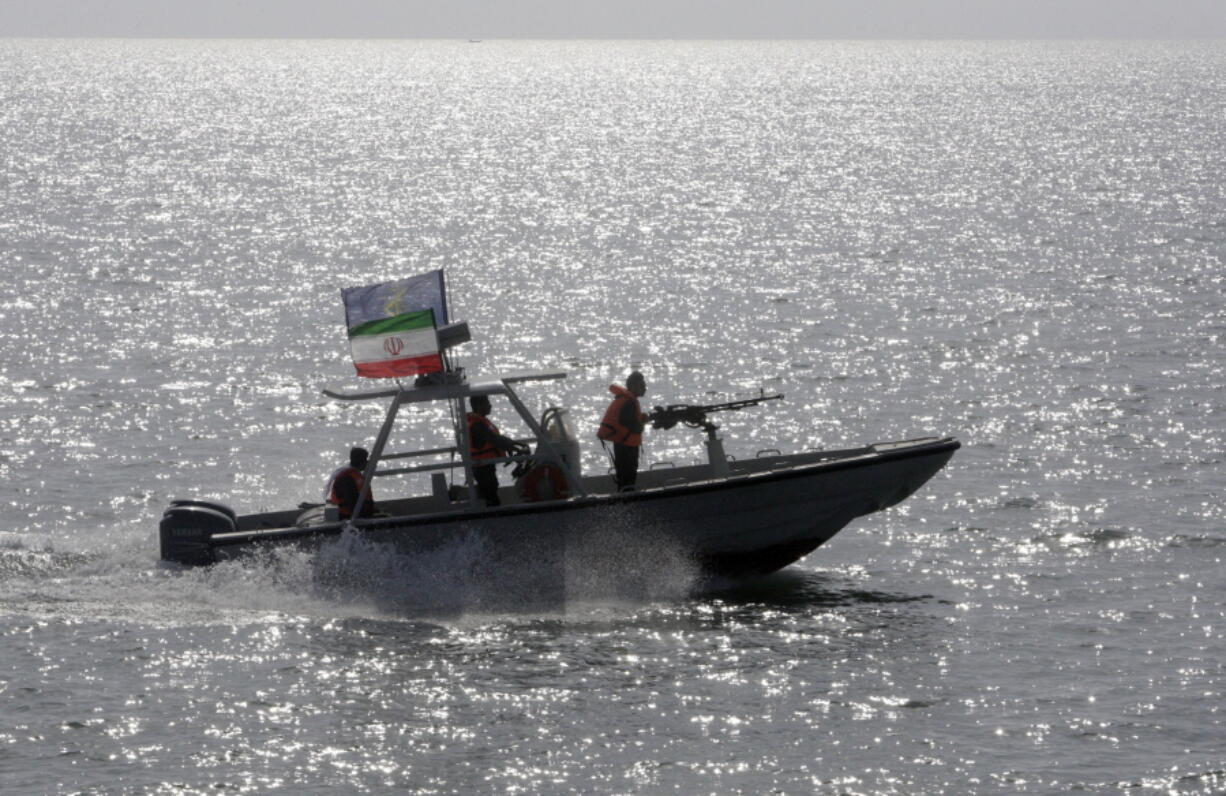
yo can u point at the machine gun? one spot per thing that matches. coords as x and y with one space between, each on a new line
695 415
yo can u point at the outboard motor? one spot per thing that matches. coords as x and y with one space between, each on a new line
187 527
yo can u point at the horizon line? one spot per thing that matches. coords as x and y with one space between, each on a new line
482 39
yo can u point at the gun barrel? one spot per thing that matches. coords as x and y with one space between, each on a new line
743 404
696 414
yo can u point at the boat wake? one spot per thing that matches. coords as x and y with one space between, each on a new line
112 577
475 573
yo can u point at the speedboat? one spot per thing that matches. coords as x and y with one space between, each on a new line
725 516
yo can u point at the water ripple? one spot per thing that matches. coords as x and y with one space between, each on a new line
1017 243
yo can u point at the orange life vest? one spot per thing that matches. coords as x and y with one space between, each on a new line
334 497
611 428
488 450
543 482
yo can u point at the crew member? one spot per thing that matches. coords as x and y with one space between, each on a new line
346 484
623 425
484 444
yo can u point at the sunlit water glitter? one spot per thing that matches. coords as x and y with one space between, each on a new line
1020 244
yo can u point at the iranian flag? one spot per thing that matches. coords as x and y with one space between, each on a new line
392 325
402 345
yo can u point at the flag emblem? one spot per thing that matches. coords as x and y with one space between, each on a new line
393 346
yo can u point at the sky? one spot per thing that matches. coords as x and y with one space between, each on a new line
725 19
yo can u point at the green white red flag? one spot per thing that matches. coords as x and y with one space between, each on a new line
392 327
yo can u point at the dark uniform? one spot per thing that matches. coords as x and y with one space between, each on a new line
346 484
484 445
623 425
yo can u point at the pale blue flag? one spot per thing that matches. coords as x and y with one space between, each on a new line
389 299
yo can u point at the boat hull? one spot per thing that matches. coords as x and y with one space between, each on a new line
741 525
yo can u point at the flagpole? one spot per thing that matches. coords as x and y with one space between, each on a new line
448 364
446 303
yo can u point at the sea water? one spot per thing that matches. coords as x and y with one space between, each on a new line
1020 244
